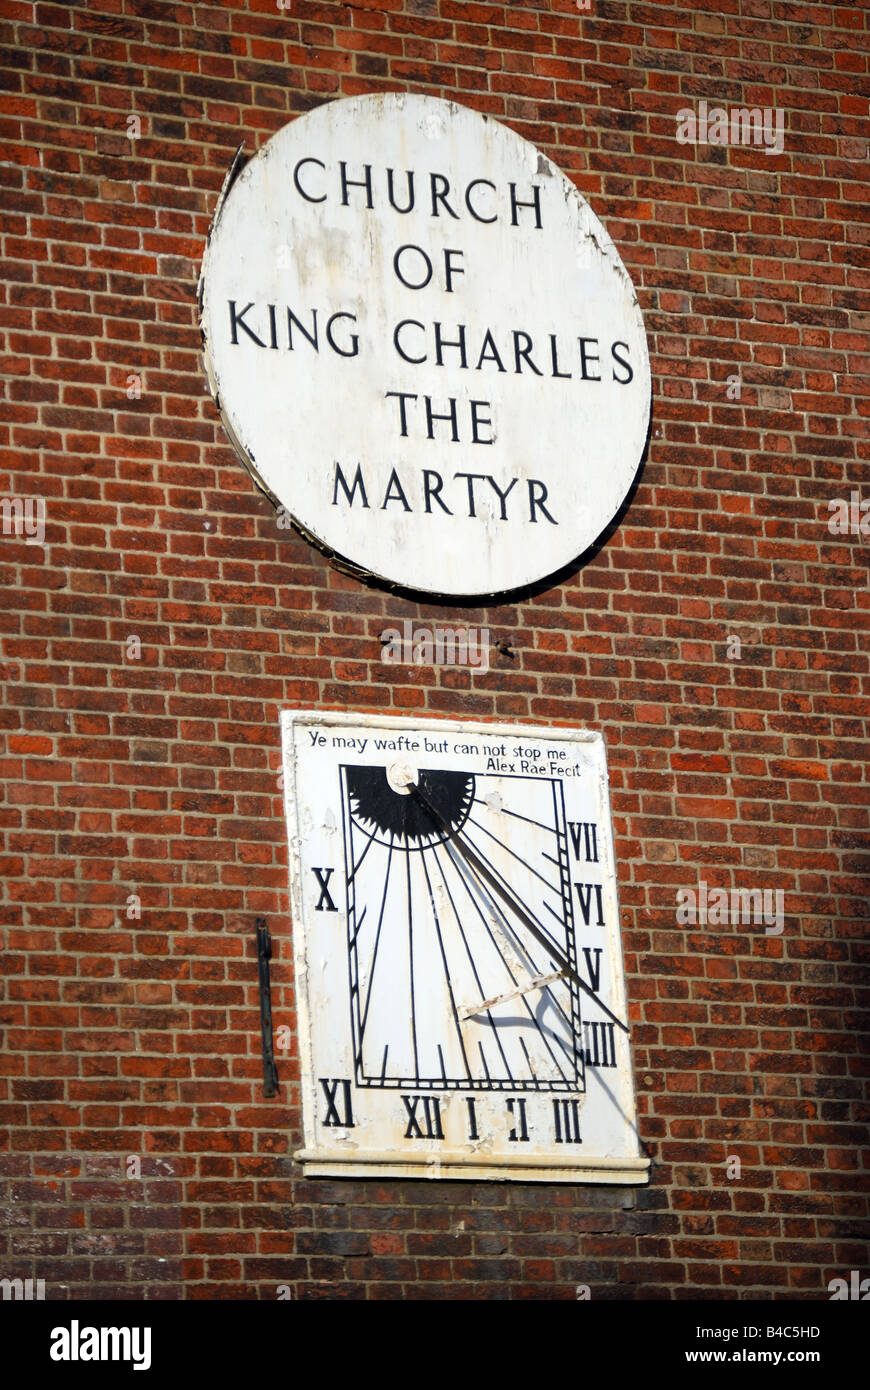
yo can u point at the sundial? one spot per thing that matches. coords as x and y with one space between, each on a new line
460 989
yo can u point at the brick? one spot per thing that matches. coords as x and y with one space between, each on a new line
139 1037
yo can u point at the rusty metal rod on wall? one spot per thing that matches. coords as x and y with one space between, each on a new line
264 955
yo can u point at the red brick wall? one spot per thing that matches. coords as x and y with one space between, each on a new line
156 776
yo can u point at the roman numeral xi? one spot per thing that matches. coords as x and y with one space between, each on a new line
339 1110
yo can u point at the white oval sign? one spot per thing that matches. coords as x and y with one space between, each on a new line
424 345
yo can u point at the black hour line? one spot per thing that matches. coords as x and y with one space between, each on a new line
353 953
365 1014
533 923
411 965
494 873
542 935
577 1055
528 918
528 1058
512 852
358 929
573 1054
550 908
348 828
521 945
369 836
564 866
578 1059
569 952
479 801
535 970
453 1007
507 933
471 961
358 865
